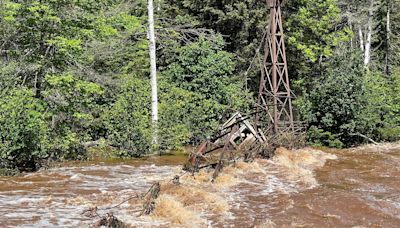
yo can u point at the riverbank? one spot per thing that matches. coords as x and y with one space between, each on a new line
107 156
113 156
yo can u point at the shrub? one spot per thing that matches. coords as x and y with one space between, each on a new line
335 100
348 101
128 120
24 134
72 103
203 75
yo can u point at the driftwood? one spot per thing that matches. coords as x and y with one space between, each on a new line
91 143
150 199
365 137
220 164
175 180
91 212
110 221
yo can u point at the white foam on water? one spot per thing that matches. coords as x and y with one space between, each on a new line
63 202
48 202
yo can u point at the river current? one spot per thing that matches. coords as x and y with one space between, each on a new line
357 187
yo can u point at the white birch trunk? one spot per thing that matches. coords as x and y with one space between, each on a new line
360 34
350 25
388 34
153 73
367 53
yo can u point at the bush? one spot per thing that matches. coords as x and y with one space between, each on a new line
391 128
335 99
349 100
174 125
318 137
195 90
203 75
128 122
24 133
73 106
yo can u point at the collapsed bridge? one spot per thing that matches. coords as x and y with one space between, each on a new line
274 122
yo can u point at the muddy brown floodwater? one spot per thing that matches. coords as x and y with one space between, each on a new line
357 187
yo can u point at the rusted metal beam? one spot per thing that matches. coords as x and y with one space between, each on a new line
235 134
275 95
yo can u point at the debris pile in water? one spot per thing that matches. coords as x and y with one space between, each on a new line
198 194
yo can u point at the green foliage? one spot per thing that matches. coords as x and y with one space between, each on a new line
24 134
390 129
174 108
202 67
336 99
194 91
242 22
311 28
66 51
319 137
73 109
128 120
379 117
377 103
73 72
348 101
394 86
205 71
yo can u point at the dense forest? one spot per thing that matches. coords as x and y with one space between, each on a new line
76 73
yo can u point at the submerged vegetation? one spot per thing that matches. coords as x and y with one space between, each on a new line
76 73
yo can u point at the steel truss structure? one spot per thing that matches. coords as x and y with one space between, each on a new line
275 96
274 121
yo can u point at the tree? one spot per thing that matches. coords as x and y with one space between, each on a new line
128 122
24 133
386 42
241 23
72 54
153 73
367 53
372 24
313 33
335 100
206 72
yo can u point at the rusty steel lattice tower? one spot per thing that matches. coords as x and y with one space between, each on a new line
275 96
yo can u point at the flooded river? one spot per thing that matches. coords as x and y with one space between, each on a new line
306 188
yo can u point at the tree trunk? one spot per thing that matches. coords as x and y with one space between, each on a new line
351 38
350 26
388 34
360 34
367 53
153 75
